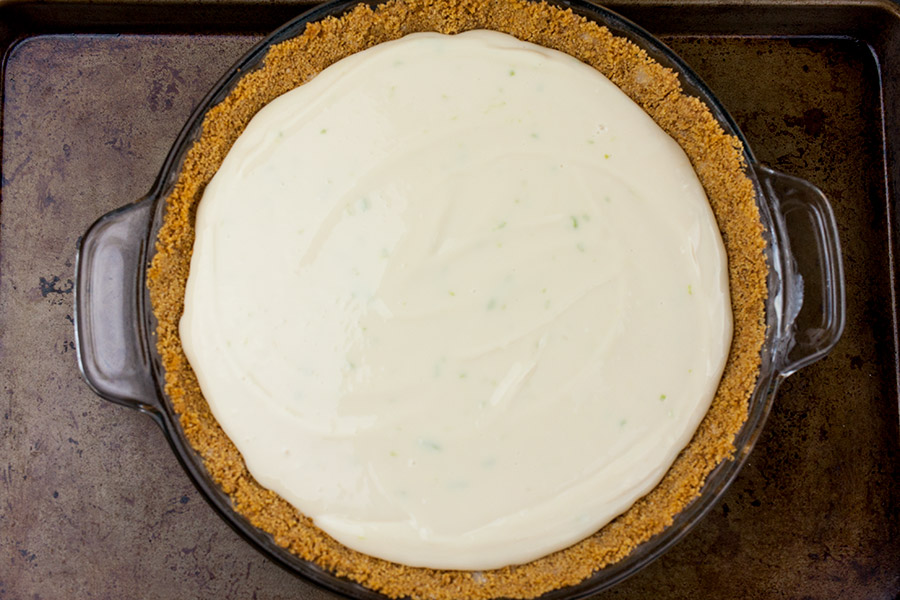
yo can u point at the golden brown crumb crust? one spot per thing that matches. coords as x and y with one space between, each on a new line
718 161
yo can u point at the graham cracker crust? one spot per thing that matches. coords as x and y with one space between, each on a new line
717 159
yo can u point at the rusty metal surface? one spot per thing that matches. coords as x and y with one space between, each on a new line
93 504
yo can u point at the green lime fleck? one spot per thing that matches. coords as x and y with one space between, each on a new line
463 375
574 222
534 135
394 453
662 396
512 73
690 290
430 445
500 226
544 291
623 423
324 131
606 156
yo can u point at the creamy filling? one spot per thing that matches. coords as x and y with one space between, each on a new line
457 299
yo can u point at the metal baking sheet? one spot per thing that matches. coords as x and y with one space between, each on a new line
94 505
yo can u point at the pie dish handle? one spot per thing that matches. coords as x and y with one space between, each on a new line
812 292
112 353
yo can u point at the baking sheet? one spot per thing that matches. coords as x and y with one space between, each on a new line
93 502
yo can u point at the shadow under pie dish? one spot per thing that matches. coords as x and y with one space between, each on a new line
764 294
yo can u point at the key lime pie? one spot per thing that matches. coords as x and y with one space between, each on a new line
452 315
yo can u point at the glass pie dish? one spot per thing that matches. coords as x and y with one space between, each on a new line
115 325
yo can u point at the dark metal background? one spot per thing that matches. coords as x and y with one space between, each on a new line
93 504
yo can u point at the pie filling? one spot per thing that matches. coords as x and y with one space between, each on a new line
458 299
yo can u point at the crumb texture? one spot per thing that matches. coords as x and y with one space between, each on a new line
717 159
